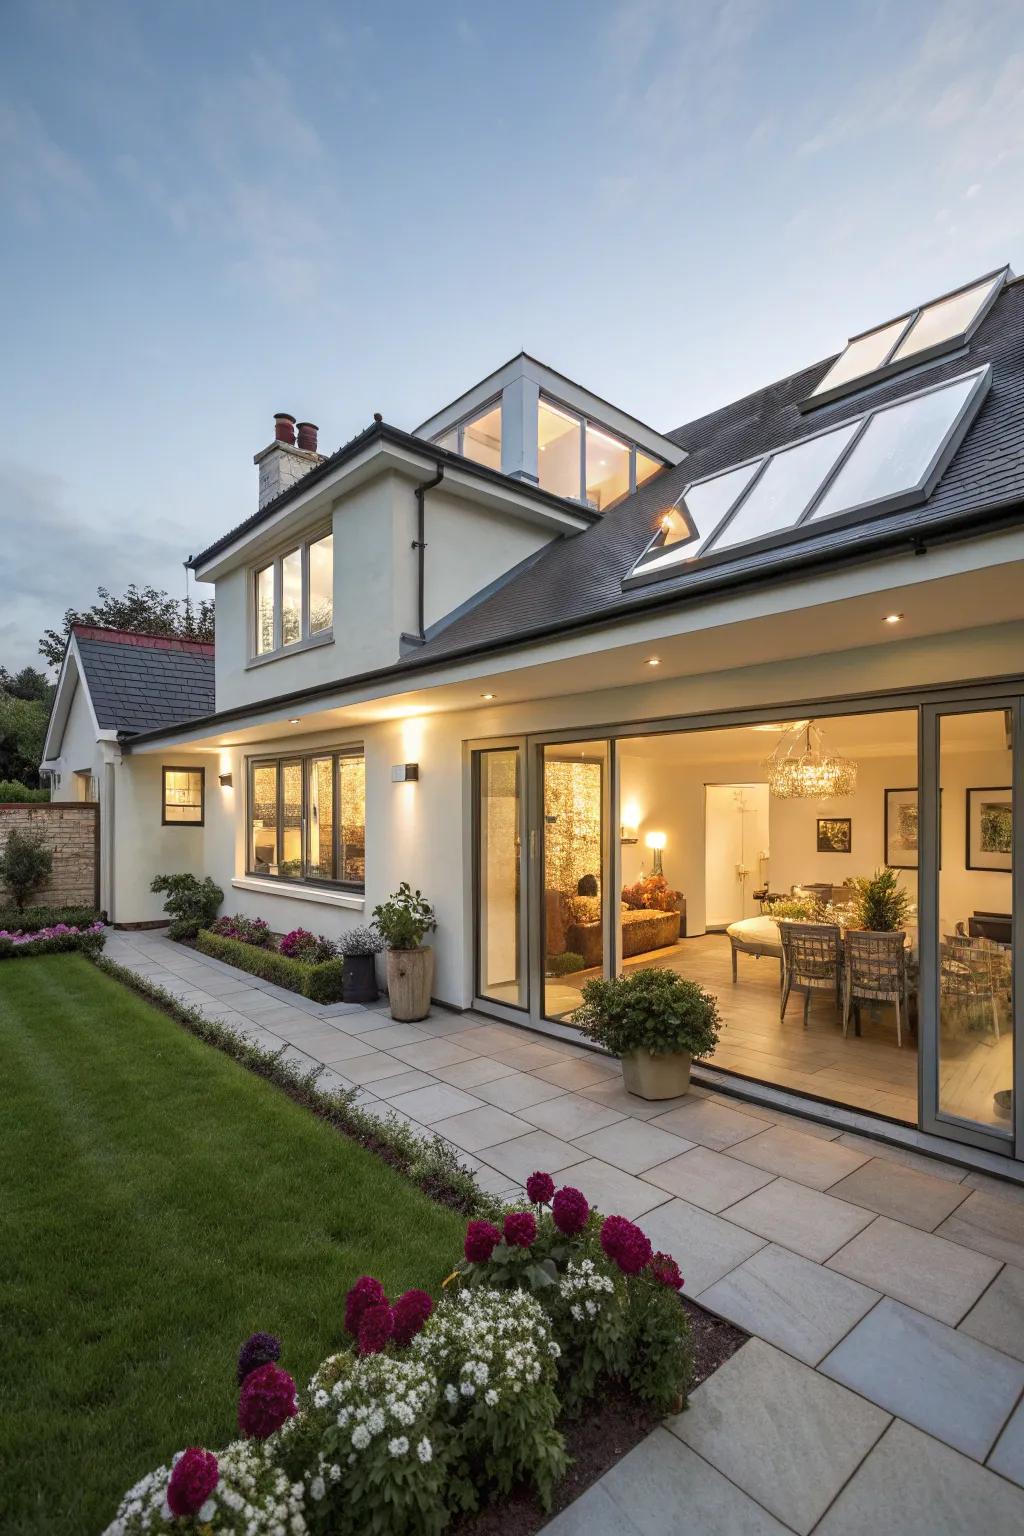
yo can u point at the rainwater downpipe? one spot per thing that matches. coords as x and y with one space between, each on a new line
419 544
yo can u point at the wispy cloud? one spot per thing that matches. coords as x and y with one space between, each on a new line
37 175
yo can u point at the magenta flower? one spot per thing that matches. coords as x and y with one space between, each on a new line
482 1237
367 1292
540 1187
520 1229
570 1210
376 1326
257 1350
625 1244
665 1270
411 1311
267 1400
192 1481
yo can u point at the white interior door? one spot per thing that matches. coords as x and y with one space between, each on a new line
735 836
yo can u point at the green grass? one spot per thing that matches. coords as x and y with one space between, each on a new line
158 1203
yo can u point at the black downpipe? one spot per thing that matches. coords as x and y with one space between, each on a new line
419 543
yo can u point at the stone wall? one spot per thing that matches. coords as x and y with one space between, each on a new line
70 832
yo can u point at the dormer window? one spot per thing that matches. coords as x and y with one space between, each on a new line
293 598
478 438
582 461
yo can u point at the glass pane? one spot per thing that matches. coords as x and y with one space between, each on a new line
862 356
265 610
573 931
449 440
291 820
607 468
976 775
321 819
263 820
481 438
502 972
558 451
291 597
946 319
183 795
321 584
352 852
646 467
706 504
783 492
896 449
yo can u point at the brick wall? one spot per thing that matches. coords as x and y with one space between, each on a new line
70 832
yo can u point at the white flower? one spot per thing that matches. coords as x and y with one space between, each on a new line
317 1488
360 1437
425 1451
320 1398
467 1389
554 1350
577 1312
398 1446
591 1308
450 1393
375 1423
491 1398
207 1511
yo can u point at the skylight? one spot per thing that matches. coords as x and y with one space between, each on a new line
883 459
922 333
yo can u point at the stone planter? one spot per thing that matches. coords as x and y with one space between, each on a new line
410 980
359 979
656 1077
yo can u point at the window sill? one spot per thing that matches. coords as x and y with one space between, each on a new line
311 643
350 900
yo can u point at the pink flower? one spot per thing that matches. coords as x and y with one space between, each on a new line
266 1401
625 1244
482 1237
367 1292
520 1229
193 1480
665 1270
540 1187
376 1326
411 1311
570 1210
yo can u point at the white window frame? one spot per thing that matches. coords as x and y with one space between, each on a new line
584 422
307 638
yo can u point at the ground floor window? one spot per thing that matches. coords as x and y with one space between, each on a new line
183 796
306 817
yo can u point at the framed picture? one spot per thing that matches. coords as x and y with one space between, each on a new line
990 828
901 830
835 834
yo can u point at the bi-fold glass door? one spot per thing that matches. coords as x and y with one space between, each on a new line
500 881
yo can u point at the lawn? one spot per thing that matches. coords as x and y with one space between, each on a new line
159 1203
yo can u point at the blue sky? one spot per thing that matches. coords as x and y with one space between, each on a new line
214 211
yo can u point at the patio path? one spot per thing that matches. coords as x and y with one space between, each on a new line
883 1385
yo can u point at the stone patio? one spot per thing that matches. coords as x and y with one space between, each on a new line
883 1385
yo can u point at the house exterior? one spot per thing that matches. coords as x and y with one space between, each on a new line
535 650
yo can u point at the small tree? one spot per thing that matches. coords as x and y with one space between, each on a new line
191 903
405 918
25 864
882 905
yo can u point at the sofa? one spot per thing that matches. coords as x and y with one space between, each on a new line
641 931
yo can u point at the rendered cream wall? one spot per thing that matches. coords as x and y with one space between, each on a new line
79 748
144 848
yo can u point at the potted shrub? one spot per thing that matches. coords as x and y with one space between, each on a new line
655 1022
358 948
881 905
402 921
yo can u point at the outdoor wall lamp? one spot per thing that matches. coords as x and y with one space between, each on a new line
656 842
405 773
224 779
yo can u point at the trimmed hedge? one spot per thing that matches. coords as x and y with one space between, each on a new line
31 919
14 792
60 943
321 983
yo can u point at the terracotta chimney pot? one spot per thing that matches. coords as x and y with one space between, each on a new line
307 436
284 428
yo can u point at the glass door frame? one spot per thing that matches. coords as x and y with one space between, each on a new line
514 1012
932 1117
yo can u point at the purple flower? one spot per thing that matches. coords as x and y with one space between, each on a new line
367 1292
192 1481
258 1349
376 1326
267 1400
411 1311
570 1210
482 1237
520 1229
540 1187
625 1244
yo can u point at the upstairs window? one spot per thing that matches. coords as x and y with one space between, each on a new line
581 461
293 597
478 438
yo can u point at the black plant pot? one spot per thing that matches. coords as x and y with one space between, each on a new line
359 979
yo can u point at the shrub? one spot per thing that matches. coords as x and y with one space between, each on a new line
247 930
14 792
651 894
52 941
651 1010
312 948
191 903
250 1492
880 903
565 963
321 982
360 941
31 919
25 864
404 918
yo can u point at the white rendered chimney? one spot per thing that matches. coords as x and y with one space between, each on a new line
283 461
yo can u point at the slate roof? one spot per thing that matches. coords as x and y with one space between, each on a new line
144 682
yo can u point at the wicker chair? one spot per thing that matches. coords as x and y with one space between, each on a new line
875 971
811 961
976 980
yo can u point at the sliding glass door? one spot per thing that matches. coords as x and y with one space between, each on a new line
575 877
500 885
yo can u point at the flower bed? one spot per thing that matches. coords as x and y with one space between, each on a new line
319 981
19 944
31 919
430 1412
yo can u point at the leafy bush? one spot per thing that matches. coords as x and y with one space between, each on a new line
881 904
250 1491
320 982
25 864
14 792
793 909
650 1010
404 918
191 903
360 941
652 894
247 930
311 948
30 919
564 964
52 941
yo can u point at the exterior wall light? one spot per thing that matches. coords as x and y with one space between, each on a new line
487 695
224 779
656 842
405 773
892 618
654 661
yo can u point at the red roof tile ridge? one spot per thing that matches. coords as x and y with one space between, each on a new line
141 639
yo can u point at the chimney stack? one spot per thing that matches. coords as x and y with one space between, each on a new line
284 461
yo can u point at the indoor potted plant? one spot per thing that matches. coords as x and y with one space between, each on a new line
358 948
402 921
655 1022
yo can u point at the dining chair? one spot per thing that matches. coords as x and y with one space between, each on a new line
811 961
875 971
974 980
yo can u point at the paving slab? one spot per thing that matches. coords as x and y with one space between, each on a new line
705 1246
952 1387
333 1047
537 1152
594 1513
1008 1456
937 1491
398 1034
405 1082
997 1317
428 1054
925 1271
902 1193
934 1166
470 1074
633 1145
709 1124
1002 1189
518 1091
777 1117
706 1178
781 1432
614 1095
437 1102
791 1302
484 1127
526 1057
989 1224
613 1192
805 1220
804 1159
578 1072
570 1116
663 1488
371 1067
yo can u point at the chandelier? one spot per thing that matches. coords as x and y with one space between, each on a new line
802 771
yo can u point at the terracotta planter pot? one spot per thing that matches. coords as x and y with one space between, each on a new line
410 980
656 1077
359 979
